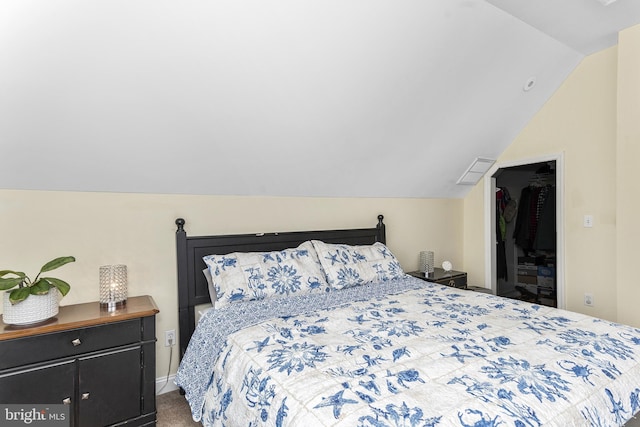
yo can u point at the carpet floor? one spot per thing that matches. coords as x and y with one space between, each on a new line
173 411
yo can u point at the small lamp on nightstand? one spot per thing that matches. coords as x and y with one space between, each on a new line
426 262
113 286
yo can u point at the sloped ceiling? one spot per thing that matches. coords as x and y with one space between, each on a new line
358 98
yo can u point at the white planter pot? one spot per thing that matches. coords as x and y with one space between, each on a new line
36 308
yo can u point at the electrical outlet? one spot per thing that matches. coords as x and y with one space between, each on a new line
588 300
169 338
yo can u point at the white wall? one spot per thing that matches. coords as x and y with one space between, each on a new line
593 119
109 93
579 121
138 230
628 202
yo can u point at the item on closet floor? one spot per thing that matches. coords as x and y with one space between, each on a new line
546 276
527 274
542 295
547 296
527 280
531 260
480 289
526 295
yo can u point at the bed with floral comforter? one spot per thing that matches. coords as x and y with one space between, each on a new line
409 353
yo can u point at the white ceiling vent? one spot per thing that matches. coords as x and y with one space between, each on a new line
475 171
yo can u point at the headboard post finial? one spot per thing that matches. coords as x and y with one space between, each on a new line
180 223
382 233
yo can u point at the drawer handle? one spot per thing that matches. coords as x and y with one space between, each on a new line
76 342
452 283
85 396
67 401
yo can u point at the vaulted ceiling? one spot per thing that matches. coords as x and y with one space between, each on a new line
357 98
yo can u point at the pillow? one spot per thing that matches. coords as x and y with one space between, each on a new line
346 266
246 276
212 289
200 310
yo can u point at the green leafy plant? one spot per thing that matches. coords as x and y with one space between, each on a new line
38 286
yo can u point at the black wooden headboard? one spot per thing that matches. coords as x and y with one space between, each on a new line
192 284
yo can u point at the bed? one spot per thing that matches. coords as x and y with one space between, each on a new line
387 349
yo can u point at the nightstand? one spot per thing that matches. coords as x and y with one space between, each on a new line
456 279
480 289
100 363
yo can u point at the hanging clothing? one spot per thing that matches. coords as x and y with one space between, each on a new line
502 201
536 212
521 230
546 234
533 215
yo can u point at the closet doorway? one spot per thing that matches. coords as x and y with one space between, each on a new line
524 232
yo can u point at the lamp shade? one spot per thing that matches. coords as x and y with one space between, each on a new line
113 284
426 261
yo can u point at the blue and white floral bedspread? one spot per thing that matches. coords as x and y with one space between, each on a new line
424 355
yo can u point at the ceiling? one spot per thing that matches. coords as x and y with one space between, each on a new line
359 98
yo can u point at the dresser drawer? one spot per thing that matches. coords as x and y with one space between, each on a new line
459 281
34 349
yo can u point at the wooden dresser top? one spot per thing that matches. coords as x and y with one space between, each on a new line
83 315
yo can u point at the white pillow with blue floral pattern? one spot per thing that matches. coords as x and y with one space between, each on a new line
346 266
246 276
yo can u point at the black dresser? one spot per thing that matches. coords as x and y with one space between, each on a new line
101 364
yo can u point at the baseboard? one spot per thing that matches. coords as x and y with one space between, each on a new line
163 386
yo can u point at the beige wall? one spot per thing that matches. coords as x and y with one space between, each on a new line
138 230
628 203
579 121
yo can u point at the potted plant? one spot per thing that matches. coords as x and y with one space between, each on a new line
34 300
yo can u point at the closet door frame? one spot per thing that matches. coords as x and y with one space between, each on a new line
490 219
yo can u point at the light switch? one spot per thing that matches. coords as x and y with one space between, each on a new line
588 221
